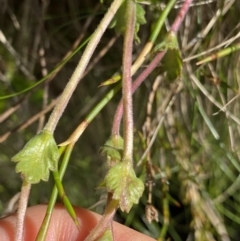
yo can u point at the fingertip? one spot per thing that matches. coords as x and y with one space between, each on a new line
122 232
62 227
87 220
6 229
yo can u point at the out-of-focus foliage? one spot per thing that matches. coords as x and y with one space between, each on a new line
193 164
172 62
119 20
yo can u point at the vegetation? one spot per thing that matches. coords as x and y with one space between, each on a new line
175 158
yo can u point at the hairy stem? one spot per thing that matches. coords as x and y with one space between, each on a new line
174 29
149 45
181 15
119 112
77 74
127 81
23 201
105 222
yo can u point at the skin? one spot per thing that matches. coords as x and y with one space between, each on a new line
62 227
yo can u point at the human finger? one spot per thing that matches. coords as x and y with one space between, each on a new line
62 228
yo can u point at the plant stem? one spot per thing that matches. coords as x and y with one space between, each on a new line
42 233
70 144
50 76
22 206
148 46
105 221
161 21
127 81
181 15
146 72
64 198
83 125
77 74
174 28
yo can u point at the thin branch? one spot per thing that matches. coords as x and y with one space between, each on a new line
22 210
181 14
136 84
174 28
167 106
210 97
127 81
18 59
29 121
74 80
105 222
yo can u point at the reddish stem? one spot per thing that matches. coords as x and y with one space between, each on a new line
127 81
174 29
181 15
135 85
105 222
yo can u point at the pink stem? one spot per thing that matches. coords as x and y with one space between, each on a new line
135 85
181 15
127 81
174 29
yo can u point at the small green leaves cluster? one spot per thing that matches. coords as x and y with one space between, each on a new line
119 20
121 179
172 61
37 158
113 149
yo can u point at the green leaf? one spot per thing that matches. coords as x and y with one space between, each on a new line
119 20
172 61
37 157
113 148
140 19
121 180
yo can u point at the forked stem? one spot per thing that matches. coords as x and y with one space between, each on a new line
146 72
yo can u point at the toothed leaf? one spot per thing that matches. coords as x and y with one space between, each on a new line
37 158
125 186
113 148
172 61
140 20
